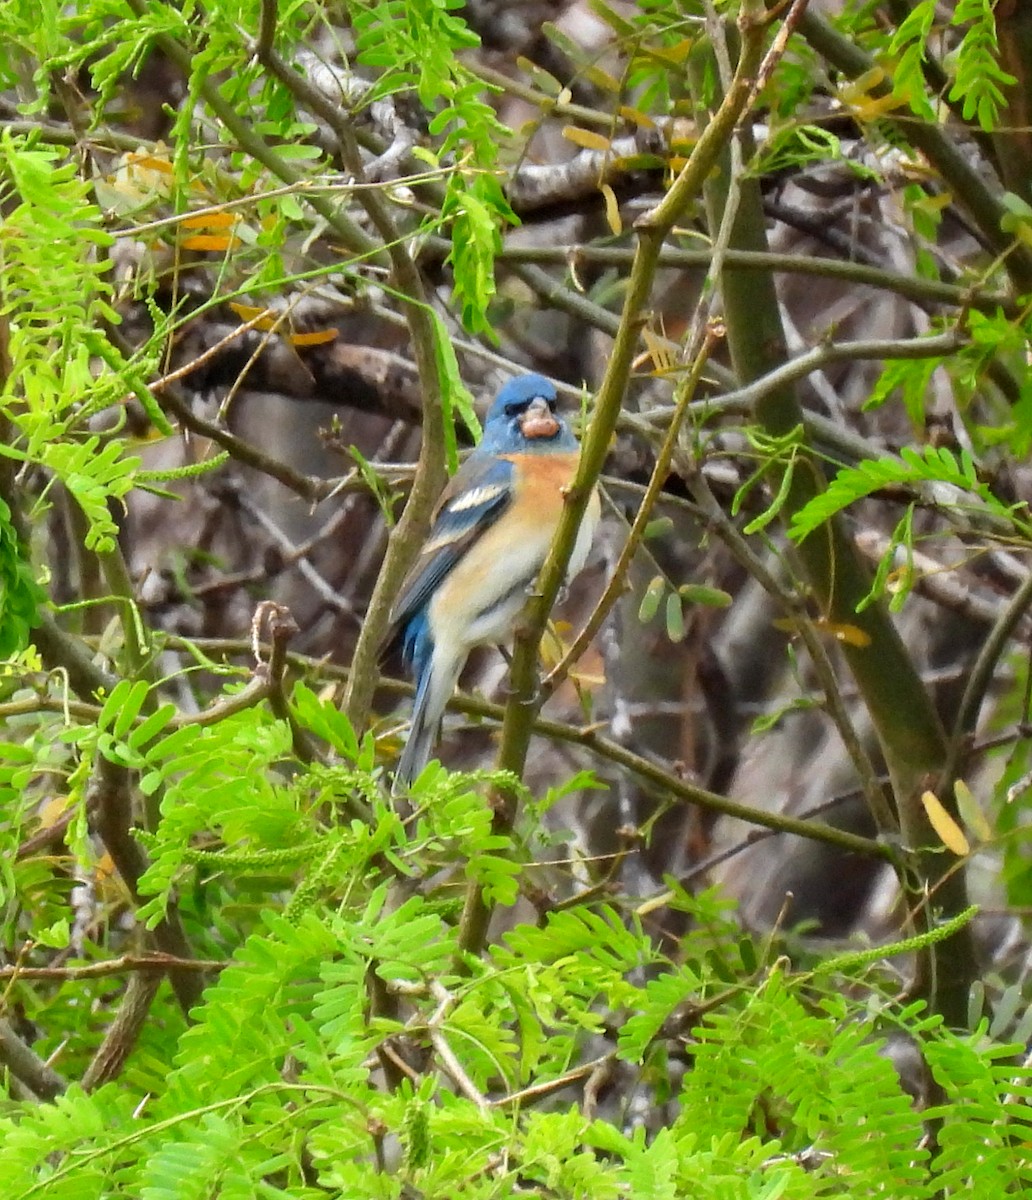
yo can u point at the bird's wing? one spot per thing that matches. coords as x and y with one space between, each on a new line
479 493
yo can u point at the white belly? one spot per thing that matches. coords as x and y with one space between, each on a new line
482 615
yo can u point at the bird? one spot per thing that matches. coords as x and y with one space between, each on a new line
490 533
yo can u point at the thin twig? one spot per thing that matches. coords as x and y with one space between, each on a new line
277 621
777 47
870 780
307 486
109 802
429 479
919 291
652 229
642 517
938 346
981 676
445 1053
124 964
538 1091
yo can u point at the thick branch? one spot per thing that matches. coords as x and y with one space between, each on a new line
109 801
900 708
401 549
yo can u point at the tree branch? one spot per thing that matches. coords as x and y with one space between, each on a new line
652 230
942 150
925 292
26 1066
429 479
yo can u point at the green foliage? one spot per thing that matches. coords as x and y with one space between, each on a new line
20 594
788 1090
417 46
977 80
911 379
912 468
908 48
54 276
348 1042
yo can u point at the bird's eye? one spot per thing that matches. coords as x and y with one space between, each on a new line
513 410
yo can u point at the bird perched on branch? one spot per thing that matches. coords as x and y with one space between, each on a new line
489 537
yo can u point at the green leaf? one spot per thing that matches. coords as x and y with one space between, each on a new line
675 627
151 726
650 600
913 467
325 720
708 597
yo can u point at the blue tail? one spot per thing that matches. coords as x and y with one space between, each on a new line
436 679
421 738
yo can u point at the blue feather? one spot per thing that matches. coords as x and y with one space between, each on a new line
476 499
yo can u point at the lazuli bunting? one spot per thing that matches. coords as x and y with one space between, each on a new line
489 537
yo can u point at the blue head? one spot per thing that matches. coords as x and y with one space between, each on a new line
524 419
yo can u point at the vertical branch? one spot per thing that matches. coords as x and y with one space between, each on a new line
652 230
109 800
124 1031
901 710
1013 142
429 478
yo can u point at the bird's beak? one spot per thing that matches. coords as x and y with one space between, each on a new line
538 420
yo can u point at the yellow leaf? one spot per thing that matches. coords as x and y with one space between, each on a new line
861 85
211 220
944 825
852 635
586 138
612 209
105 868
162 165
873 107
856 96
266 318
971 811
602 79
658 351
209 241
52 810
318 337
668 55
552 648
636 117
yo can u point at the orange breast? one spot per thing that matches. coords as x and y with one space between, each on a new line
541 483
